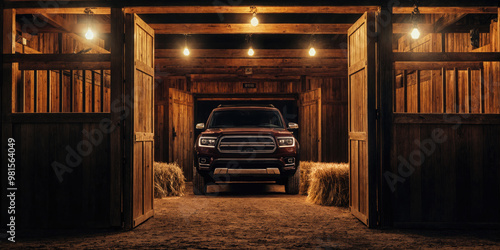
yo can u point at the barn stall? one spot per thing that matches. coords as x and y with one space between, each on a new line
345 107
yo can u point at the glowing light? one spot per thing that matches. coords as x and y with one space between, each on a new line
186 51
415 33
254 20
312 51
90 34
251 52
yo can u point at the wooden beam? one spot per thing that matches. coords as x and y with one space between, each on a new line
267 62
450 119
48 65
446 56
169 71
49 58
447 20
481 87
62 10
272 53
247 28
436 65
469 90
233 77
443 75
457 95
248 10
447 9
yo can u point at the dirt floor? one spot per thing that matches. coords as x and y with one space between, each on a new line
256 216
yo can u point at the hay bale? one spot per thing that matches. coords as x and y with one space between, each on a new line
329 184
169 180
305 170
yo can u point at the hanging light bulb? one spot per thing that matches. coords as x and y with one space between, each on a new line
90 34
415 33
186 50
251 52
254 20
312 51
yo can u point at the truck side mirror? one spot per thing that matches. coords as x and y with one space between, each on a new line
200 126
293 125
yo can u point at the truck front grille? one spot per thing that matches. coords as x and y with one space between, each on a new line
247 144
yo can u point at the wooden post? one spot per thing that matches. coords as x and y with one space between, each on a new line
93 90
469 89
21 94
49 99
7 95
71 82
457 97
385 105
443 72
35 91
481 87
405 91
116 151
418 90
61 92
84 90
102 91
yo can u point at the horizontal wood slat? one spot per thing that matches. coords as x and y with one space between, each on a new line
58 117
248 10
358 136
446 56
436 65
143 136
446 118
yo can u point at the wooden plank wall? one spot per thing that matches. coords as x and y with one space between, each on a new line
82 198
75 98
431 81
453 182
334 116
447 166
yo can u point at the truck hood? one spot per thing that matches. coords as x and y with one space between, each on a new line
247 131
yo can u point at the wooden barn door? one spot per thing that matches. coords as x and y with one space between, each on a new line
362 111
310 125
139 142
181 130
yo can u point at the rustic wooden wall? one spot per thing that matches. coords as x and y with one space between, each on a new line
431 87
446 167
93 96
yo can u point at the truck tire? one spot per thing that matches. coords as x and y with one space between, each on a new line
199 183
292 183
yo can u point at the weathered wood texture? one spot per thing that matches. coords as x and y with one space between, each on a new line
450 181
467 90
80 151
79 91
310 125
139 134
181 130
361 120
334 135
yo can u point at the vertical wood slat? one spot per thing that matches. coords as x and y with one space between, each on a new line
61 94
405 91
481 87
93 90
457 97
35 91
21 90
469 89
49 99
418 90
84 90
71 82
443 72
102 91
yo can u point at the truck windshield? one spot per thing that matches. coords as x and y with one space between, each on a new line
246 119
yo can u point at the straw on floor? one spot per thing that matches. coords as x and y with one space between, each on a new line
169 180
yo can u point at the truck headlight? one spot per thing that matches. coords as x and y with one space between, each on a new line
286 141
207 142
